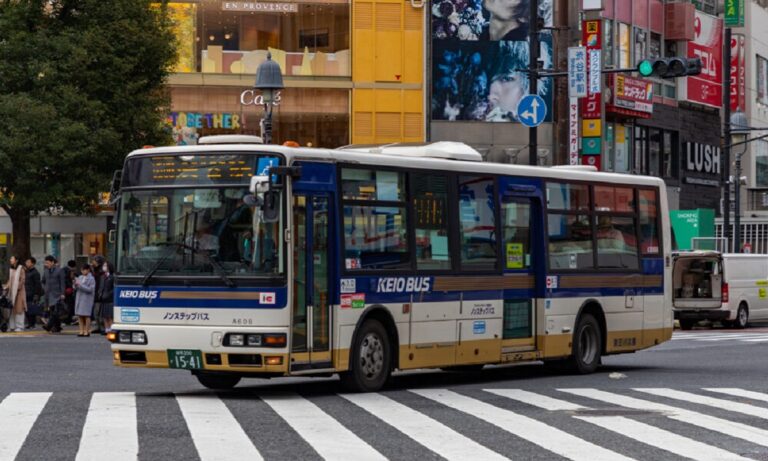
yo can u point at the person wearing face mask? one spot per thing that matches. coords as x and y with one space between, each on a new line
105 296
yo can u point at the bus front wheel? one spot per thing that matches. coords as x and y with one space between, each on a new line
587 345
217 381
370 360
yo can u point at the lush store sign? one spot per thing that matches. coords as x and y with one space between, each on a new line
223 120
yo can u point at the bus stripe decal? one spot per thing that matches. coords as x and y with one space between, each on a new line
215 431
529 429
432 434
110 427
18 412
326 435
736 407
483 283
712 423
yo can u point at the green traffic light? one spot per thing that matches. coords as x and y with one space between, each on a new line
645 68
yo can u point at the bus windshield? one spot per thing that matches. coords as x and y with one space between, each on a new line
196 232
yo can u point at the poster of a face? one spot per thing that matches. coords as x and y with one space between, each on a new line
485 20
484 81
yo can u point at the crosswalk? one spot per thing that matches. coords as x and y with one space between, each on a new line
581 424
715 337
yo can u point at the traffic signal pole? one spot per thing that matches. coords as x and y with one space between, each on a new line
533 75
726 171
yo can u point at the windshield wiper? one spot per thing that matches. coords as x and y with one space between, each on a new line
160 261
222 272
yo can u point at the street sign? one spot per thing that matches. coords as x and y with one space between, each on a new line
577 72
531 110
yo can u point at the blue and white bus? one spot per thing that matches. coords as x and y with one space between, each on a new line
246 260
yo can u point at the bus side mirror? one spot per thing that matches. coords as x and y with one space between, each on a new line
271 207
259 184
112 235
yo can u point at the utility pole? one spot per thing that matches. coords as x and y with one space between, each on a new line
533 75
726 173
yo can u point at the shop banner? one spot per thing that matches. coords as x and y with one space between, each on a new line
706 88
738 74
633 93
734 13
592 39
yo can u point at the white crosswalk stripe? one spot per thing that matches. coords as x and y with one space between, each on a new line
18 412
110 427
217 427
708 337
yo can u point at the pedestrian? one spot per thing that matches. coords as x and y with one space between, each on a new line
105 296
85 287
34 288
54 286
96 263
17 296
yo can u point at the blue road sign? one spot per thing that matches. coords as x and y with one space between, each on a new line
531 110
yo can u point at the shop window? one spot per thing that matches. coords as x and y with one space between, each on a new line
623 148
430 206
477 223
641 144
670 155
641 41
610 152
762 80
654 152
625 60
609 42
761 163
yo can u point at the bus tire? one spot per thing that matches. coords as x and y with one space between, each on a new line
687 324
218 381
587 346
742 317
371 359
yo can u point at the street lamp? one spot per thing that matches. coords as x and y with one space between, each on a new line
739 131
269 79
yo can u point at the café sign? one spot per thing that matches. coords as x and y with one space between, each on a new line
261 7
251 98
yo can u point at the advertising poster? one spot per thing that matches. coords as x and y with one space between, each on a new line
479 57
706 88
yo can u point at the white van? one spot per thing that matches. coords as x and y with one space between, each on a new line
727 287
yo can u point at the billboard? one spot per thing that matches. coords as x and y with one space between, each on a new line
707 45
479 57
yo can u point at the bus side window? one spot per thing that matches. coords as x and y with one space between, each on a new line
477 223
649 232
430 205
516 233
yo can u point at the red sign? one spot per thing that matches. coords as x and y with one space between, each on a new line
632 97
738 74
592 38
591 160
707 45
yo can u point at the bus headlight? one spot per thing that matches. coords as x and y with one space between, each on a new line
253 340
138 337
236 340
127 337
124 337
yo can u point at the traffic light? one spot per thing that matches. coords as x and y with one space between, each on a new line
669 67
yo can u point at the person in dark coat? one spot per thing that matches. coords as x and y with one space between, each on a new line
105 296
54 286
34 287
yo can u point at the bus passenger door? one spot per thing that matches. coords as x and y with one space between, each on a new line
311 313
521 234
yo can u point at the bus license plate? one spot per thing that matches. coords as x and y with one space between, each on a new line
185 358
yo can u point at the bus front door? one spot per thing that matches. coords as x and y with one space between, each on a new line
311 322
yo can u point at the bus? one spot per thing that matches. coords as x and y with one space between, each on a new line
237 259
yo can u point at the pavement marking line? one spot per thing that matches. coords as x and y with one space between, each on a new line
643 433
736 407
543 435
715 337
755 340
736 392
323 433
428 432
215 432
110 428
659 438
738 430
18 413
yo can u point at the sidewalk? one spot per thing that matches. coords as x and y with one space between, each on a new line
39 331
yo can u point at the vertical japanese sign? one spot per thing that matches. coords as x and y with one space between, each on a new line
706 88
595 71
738 73
577 72
591 37
573 131
734 13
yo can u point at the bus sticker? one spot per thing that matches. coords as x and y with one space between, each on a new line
353 301
514 255
478 327
348 286
403 284
352 263
267 298
130 315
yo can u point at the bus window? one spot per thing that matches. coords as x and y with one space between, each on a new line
649 232
477 223
430 205
567 197
614 199
617 242
570 242
516 232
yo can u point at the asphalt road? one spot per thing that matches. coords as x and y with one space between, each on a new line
63 399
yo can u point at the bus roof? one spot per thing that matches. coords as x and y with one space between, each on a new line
392 159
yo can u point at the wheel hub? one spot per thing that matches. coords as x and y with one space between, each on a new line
371 356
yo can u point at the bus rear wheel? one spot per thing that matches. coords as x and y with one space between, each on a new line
370 362
218 381
587 346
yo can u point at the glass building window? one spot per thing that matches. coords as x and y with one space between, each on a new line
761 163
762 80
641 41
625 59
609 43
654 49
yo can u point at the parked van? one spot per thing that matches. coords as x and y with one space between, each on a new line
727 287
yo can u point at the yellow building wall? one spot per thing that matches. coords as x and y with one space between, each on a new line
387 72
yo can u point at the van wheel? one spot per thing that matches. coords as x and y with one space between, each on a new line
587 346
218 381
687 324
371 362
742 317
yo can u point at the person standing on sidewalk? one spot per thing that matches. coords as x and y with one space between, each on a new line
105 296
85 290
54 284
70 274
17 295
34 288
96 264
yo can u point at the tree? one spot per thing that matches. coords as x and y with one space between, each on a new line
82 83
